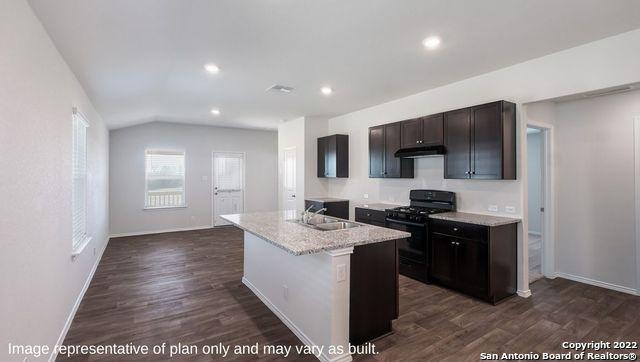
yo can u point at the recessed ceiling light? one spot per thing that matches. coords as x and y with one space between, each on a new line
215 112
326 90
211 68
431 42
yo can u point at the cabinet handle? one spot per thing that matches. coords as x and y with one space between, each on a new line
455 229
467 172
473 172
368 214
457 243
453 243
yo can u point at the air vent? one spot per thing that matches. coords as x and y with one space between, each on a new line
608 91
280 88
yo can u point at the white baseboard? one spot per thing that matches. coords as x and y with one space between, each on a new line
150 232
524 293
301 336
598 283
69 320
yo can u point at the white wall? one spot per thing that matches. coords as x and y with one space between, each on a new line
534 178
595 188
314 128
40 282
127 173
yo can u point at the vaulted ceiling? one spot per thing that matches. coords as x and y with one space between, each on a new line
143 60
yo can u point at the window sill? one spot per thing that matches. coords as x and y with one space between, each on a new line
164 207
78 249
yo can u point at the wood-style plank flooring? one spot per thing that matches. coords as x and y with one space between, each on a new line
185 287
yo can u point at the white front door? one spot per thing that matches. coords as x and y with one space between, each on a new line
228 185
289 179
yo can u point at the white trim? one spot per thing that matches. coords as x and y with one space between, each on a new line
78 249
301 336
524 293
67 323
597 283
244 183
164 207
341 251
161 231
536 233
548 217
636 156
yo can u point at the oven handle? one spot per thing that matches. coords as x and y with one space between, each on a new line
405 222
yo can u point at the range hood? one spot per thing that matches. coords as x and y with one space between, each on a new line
420 151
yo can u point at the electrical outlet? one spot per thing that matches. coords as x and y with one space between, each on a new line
493 208
341 273
285 292
366 196
510 209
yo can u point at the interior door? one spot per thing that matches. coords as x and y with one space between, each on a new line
487 141
289 179
457 140
228 185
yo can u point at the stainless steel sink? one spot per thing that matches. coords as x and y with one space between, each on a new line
337 225
326 223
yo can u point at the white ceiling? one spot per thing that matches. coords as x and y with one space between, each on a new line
143 60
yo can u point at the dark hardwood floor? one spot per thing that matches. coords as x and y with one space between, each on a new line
185 287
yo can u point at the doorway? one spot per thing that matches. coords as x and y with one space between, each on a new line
228 185
289 179
536 182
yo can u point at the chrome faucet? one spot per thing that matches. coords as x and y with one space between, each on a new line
306 217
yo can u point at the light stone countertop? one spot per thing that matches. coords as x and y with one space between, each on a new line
325 199
299 240
478 219
379 206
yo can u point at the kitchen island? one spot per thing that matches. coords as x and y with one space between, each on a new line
330 287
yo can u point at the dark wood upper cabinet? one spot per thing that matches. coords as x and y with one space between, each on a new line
384 141
423 131
457 141
481 142
333 156
432 130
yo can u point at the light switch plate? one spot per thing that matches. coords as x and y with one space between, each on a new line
510 209
285 292
493 208
366 196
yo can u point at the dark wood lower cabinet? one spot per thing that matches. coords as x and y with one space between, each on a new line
334 208
477 260
374 291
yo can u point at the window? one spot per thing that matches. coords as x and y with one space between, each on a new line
164 173
79 182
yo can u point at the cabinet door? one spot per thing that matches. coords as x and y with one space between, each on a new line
486 162
376 151
457 141
391 145
472 267
442 259
411 133
321 158
330 157
432 130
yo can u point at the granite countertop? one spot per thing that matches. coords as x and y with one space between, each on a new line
377 206
478 219
325 199
298 240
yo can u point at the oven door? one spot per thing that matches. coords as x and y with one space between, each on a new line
413 248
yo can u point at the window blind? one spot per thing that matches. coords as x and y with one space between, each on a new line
79 180
228 173
165 177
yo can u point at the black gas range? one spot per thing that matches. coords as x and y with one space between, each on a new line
414 251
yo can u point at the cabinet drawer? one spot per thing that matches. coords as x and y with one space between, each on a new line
459 229
367 215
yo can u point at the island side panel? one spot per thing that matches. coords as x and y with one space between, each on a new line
309 293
